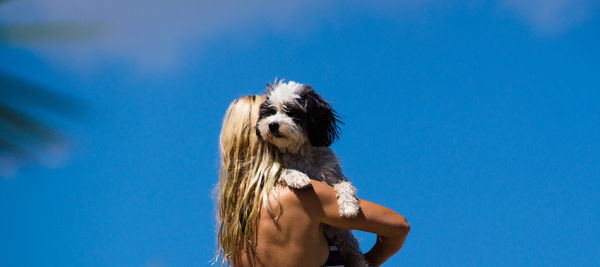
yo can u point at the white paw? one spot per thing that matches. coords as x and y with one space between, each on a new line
349 208
295 179
347 201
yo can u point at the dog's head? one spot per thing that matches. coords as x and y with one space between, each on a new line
294 115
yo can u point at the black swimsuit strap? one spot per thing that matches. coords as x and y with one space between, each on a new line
335 259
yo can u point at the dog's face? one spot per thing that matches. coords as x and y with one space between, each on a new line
294 115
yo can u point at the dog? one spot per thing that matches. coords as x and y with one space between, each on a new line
302 126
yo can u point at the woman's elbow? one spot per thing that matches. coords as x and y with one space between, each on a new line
401 226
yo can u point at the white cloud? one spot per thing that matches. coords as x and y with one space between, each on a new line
550 16
152 33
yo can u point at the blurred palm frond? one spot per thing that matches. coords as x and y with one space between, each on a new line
46 32
24 105
22 134
20 91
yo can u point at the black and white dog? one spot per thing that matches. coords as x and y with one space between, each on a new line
303 126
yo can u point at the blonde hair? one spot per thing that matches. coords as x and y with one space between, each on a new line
249 171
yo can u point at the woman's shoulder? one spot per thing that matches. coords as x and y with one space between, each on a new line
313 191
311 198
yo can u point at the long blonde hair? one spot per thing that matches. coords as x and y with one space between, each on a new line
249 171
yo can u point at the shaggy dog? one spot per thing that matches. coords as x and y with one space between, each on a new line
302 125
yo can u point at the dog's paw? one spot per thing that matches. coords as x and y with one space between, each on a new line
349 208
295 179
347 200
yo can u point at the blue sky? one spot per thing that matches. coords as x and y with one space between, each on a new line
476 120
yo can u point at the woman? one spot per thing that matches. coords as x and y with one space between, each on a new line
264 223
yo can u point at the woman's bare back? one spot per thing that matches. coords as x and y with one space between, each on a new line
295 239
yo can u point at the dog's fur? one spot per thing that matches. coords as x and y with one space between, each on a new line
303 126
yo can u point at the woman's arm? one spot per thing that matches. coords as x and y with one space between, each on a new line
391 228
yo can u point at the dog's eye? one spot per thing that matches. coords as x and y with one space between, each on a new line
294 113
266 111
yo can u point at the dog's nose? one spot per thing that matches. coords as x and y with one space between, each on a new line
273 126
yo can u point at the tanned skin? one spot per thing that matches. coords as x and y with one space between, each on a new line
296 238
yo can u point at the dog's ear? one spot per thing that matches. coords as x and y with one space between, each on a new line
257 131
322 120
263 111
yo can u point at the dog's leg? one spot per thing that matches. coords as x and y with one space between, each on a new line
348 246
295 179
347 200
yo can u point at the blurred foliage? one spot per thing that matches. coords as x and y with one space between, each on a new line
55 32
23 133
24 104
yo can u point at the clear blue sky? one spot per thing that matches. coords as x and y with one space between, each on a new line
478 121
